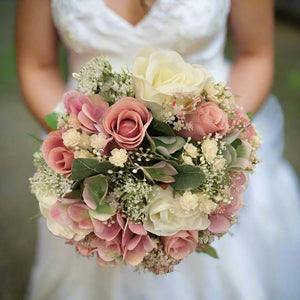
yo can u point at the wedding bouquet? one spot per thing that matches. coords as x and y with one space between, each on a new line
145 167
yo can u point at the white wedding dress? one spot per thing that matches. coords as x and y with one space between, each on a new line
261 259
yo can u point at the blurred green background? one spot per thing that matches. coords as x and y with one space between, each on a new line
17 205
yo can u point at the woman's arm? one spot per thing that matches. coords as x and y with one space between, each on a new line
37 57
251 26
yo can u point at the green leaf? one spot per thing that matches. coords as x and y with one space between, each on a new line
188 177
51 120
236 143
161 171
207 249
250 115
86 167
35 138
158 128
168 145
243 150
96 187
102 212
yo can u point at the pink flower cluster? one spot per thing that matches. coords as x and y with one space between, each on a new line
220 219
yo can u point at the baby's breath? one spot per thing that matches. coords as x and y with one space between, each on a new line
45 180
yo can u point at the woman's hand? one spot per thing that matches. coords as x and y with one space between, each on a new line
37 57
251 25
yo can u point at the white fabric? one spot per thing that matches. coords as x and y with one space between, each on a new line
260 261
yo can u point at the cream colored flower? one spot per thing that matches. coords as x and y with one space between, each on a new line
187 160
118 157
205 204
191 150
98 141
255 141
209 149
85 141
71 137
188 201
83 154
159 75
165 215
219 163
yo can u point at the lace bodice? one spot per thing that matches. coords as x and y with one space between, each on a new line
196 29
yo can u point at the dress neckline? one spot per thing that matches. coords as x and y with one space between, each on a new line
140 23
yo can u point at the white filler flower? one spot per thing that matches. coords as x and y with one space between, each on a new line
118 157
191 150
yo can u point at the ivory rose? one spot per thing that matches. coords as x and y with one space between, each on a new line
159 75
167 214
88 111
181 244
208 118
57 156
127 121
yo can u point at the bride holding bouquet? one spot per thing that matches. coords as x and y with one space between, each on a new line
261 259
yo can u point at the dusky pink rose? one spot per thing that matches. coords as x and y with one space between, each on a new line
57 156
240 120
136 243
74 214
208 118
89 111
219 219
180 244
127 121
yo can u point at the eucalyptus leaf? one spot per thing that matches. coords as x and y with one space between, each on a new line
35 138
168 145
207 249
161 171
236 143
250 115
229 154
188 177
103 212
158 128
243 150
95 188
232 136
51 120
86 167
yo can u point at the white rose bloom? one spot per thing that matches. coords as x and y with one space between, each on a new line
46 199
187 160
71 137
159 75
85 141
58 229
205 204
118 157
191 150
219 163
165 215
209 149
98 141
